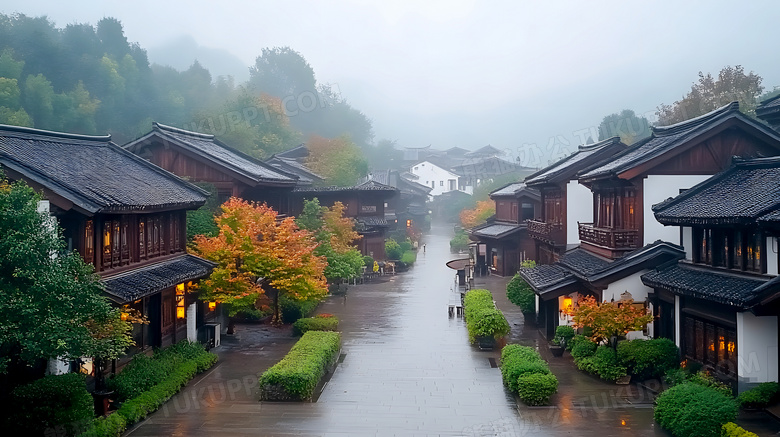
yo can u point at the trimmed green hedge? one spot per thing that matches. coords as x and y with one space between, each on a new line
536 388
526 373
409 257
520 293
759 396
293 310
189 358
58 402
317 323
296 376
483 319
648 359
691 409
731 429
602 363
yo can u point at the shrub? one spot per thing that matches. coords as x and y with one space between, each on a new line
393 250
405 245
183 360
691 409
649 358
536 388
581 346
316 323
564 334
602 363
483 319
53 402
143 372
705 379
409 257
296 376
731 429
459 242
759 396
293 309
520 293
368 261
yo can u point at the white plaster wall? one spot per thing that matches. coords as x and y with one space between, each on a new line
658 188
771 255
579 208
687 242
756 348
432 173
677 323
639 291
57 366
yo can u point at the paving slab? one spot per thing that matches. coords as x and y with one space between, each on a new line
408 370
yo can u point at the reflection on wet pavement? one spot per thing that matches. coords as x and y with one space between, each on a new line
408 370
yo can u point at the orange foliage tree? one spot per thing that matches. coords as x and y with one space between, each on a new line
478 215
254 250
608 319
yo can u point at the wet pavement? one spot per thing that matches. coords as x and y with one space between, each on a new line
406 369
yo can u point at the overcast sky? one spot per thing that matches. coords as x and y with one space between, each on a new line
466 73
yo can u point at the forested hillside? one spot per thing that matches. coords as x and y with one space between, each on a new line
92 80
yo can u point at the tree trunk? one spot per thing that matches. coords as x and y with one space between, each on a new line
276 319
231 328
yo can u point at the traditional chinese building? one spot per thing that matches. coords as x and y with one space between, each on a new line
124 216
409 208
365 203
769 111
503 242
721 303
202 158
565 202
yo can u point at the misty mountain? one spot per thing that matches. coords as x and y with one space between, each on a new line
181 52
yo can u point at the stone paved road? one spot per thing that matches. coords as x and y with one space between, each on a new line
407 370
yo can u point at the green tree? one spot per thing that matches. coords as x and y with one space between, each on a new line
338 160
51 302
626 125
9 67
282 72
710 93
38 100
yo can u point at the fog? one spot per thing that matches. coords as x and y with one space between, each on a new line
463 73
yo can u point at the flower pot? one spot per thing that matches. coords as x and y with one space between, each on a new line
556 351
623 380
101 401
486 343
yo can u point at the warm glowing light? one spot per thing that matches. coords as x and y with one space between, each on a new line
731 347
212 306
123 316
180 312
180 288
567 305
623 422
409 223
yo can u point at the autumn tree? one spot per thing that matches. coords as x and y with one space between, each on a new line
609 319
338 160
51 301
256 251
335 235
626 125
710 93
477 215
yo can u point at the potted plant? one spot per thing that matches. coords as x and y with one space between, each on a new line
563 335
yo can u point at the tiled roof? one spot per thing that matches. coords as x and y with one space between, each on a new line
664 139
508 190
547 277
568 167
741 194
305 174
583 262
296 152
772 217
486 150
772 104
496 229
369 185
705 283
208 147
491 165
151 279
93 173
581 266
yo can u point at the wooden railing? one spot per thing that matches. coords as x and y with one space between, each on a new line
609 238
545 231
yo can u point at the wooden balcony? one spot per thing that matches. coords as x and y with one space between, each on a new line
614 240
551 233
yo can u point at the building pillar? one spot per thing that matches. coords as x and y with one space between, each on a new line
192 329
